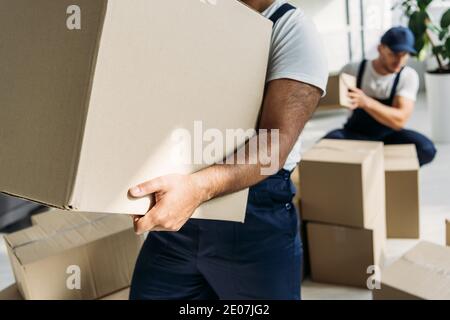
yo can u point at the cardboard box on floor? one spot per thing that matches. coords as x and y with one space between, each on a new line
342 182
342 255
422 273
13 293
49 258
402 191
88 113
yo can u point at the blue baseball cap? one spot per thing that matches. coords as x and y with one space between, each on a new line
400 39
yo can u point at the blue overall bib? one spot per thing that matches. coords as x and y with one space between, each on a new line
362 126
258 259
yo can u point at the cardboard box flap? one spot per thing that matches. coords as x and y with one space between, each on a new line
56 220
41 241
423 272
59 219
25 236
342 151
52 76
401 158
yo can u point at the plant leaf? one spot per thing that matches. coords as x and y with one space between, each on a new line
423 4
447 48
445 21
417 23
438 49
420 44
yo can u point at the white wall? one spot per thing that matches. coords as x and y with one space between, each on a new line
331 20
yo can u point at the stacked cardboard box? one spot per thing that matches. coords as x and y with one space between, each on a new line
92 108
343 202
422 273
402 191
73 255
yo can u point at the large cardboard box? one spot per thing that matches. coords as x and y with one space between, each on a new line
88 113
448 232
402 191
343 255
342 182
74 256
422 273
12 293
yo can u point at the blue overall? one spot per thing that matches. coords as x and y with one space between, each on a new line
207 260
362 126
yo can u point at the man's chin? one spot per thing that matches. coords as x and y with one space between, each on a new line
393 70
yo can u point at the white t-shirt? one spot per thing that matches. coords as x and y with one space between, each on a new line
380 86
297 53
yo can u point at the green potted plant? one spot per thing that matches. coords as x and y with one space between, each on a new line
433 37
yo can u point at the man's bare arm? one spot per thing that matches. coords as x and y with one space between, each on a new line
394 116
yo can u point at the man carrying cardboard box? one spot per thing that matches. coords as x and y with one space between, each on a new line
385 97
261 258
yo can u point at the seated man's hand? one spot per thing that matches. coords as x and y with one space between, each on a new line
177 197
358 98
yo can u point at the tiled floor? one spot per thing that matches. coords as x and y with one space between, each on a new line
435 205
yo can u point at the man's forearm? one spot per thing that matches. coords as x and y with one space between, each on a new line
221 179
386 115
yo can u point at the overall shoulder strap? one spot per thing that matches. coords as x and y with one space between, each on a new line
281 11
395 86
362 69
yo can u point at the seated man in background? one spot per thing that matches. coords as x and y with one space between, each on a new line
385 97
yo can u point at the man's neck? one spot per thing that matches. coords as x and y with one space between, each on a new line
258 5
379 67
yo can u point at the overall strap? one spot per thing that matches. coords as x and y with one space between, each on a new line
281 12
394 87
362 69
